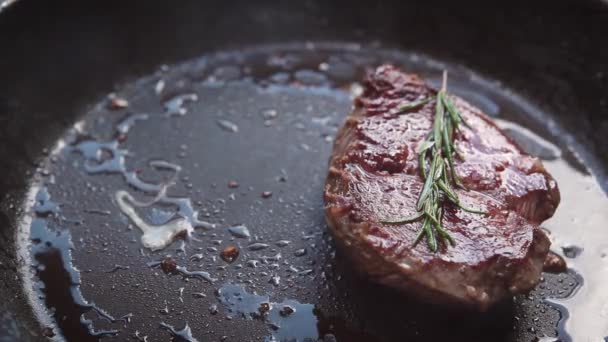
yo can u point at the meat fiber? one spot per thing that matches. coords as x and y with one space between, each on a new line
373 177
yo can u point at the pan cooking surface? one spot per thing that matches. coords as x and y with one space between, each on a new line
190 205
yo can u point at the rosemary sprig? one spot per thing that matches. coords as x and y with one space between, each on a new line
436 165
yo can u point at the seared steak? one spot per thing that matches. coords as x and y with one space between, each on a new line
373 177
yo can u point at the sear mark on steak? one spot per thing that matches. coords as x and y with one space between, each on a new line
373 176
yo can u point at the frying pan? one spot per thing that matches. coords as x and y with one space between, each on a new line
58 58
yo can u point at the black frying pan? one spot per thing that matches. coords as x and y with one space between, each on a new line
58 58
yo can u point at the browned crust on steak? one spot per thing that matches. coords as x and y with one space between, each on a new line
373 176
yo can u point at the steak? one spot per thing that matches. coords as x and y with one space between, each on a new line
373 177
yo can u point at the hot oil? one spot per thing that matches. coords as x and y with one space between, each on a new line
579 224
218 165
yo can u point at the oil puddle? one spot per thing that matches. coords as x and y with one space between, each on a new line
179 335
109 158
289 320
240 231
170 266
176 105
59 281
44 205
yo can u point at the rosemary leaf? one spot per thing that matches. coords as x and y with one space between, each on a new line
419 236
447 149
415 104
449 192
412 218
427 144
470 210
454 112
430 235
426 190
454 115
422 165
